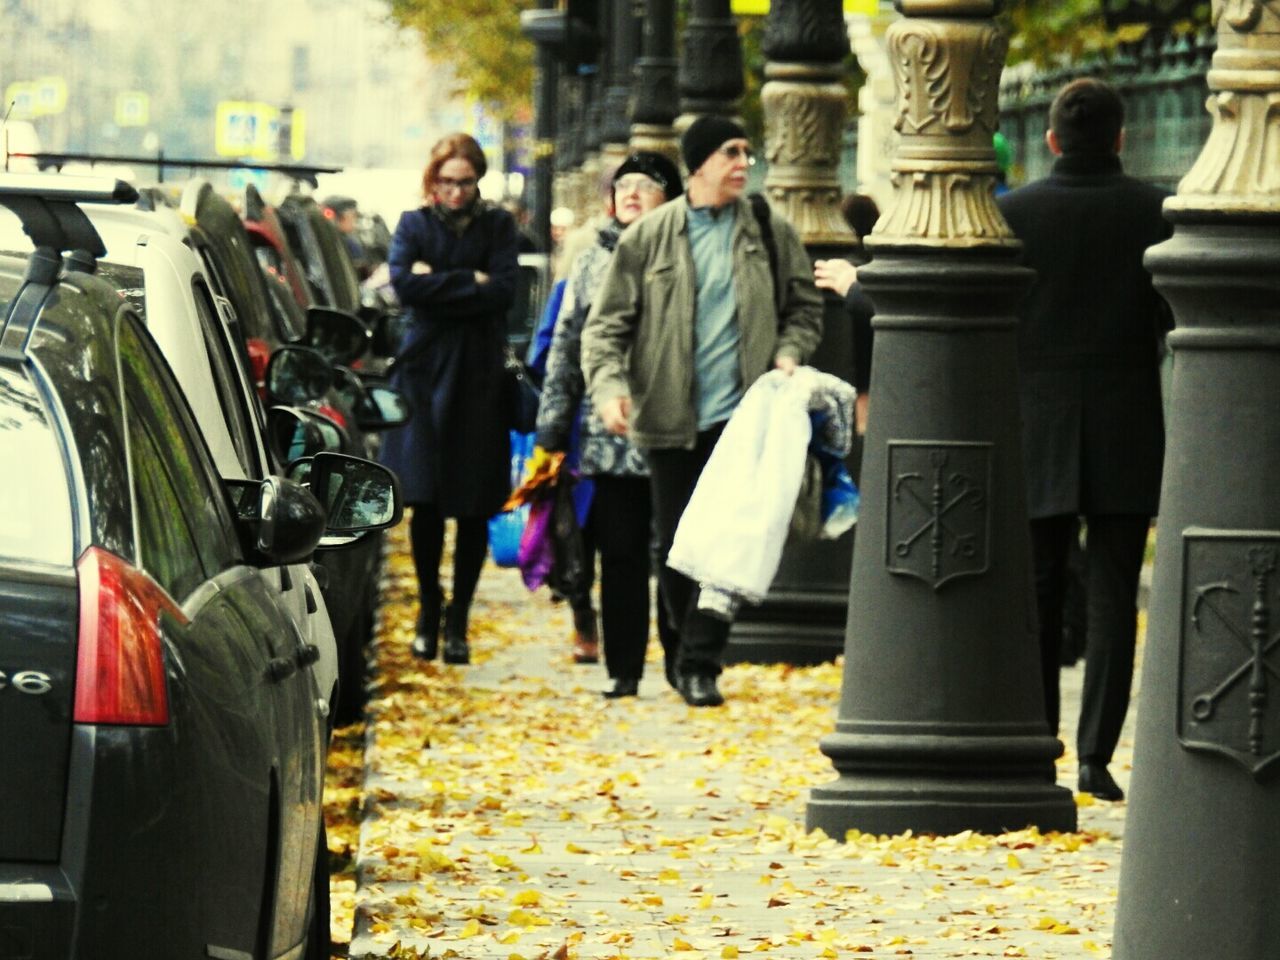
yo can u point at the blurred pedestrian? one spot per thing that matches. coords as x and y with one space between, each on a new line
562 221
690 313
619 524
344 213
840 276
1093 436
453 263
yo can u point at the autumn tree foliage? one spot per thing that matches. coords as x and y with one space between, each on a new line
1050 31
481 41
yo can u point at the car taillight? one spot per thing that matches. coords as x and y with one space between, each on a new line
120 676
259 356
333 413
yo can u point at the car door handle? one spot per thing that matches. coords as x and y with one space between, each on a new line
307 655
281 668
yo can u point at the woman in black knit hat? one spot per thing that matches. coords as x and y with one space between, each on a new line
619 523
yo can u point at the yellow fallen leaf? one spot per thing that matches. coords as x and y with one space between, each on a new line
527 898
472 929
1013 862
729 953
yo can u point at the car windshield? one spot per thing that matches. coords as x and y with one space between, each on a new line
35 506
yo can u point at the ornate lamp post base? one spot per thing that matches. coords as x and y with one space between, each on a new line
941 724
797 626
1202 833
984 803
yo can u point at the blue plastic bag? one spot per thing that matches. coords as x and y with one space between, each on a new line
505 529
840 499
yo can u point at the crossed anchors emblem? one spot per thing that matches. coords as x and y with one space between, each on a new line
1240 717
951 543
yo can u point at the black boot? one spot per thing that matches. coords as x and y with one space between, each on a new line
456 649
426 641
623 687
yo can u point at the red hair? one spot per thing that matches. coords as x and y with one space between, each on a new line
461 146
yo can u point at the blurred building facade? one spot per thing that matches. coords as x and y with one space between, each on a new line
124 76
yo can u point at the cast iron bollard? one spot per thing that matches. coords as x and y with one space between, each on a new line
1202 837
942 725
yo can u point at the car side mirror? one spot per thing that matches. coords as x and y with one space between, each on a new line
339 336
358 495
280 520
381 408
297 375
388 333
295 432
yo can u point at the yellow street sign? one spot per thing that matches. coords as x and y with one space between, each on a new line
758 8
50 95
22 95
246 128
133 109
298 135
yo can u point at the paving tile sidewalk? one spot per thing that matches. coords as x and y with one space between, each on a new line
643 829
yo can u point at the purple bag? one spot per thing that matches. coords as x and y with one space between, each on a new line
537 552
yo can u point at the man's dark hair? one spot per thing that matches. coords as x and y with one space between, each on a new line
1087 117
860 212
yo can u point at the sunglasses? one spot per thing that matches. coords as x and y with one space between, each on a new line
735 152
639 183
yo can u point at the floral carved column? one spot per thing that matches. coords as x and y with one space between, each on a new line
653 109
803 617
1202 835
941 726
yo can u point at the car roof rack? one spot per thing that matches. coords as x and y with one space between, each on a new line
305 173
49 210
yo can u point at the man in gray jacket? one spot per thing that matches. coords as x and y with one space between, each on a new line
690 313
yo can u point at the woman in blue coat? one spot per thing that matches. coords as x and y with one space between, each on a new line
453 262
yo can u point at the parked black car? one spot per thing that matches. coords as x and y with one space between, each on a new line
163 748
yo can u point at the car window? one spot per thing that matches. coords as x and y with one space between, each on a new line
35 506
183 524
228 382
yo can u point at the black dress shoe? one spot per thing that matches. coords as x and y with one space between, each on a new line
456 649
1095 779
623 687
700 690
425 646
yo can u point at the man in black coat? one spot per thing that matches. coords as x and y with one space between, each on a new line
1093 437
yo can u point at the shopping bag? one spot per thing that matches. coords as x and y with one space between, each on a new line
506 528
536 548
570 576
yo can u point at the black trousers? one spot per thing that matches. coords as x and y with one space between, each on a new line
1113 551
700 639
618 528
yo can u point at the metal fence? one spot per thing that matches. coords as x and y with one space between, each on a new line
1162 83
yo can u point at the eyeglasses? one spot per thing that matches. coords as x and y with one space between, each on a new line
734 152
448 183
639 183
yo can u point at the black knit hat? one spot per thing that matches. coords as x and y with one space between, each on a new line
705 136
654 166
